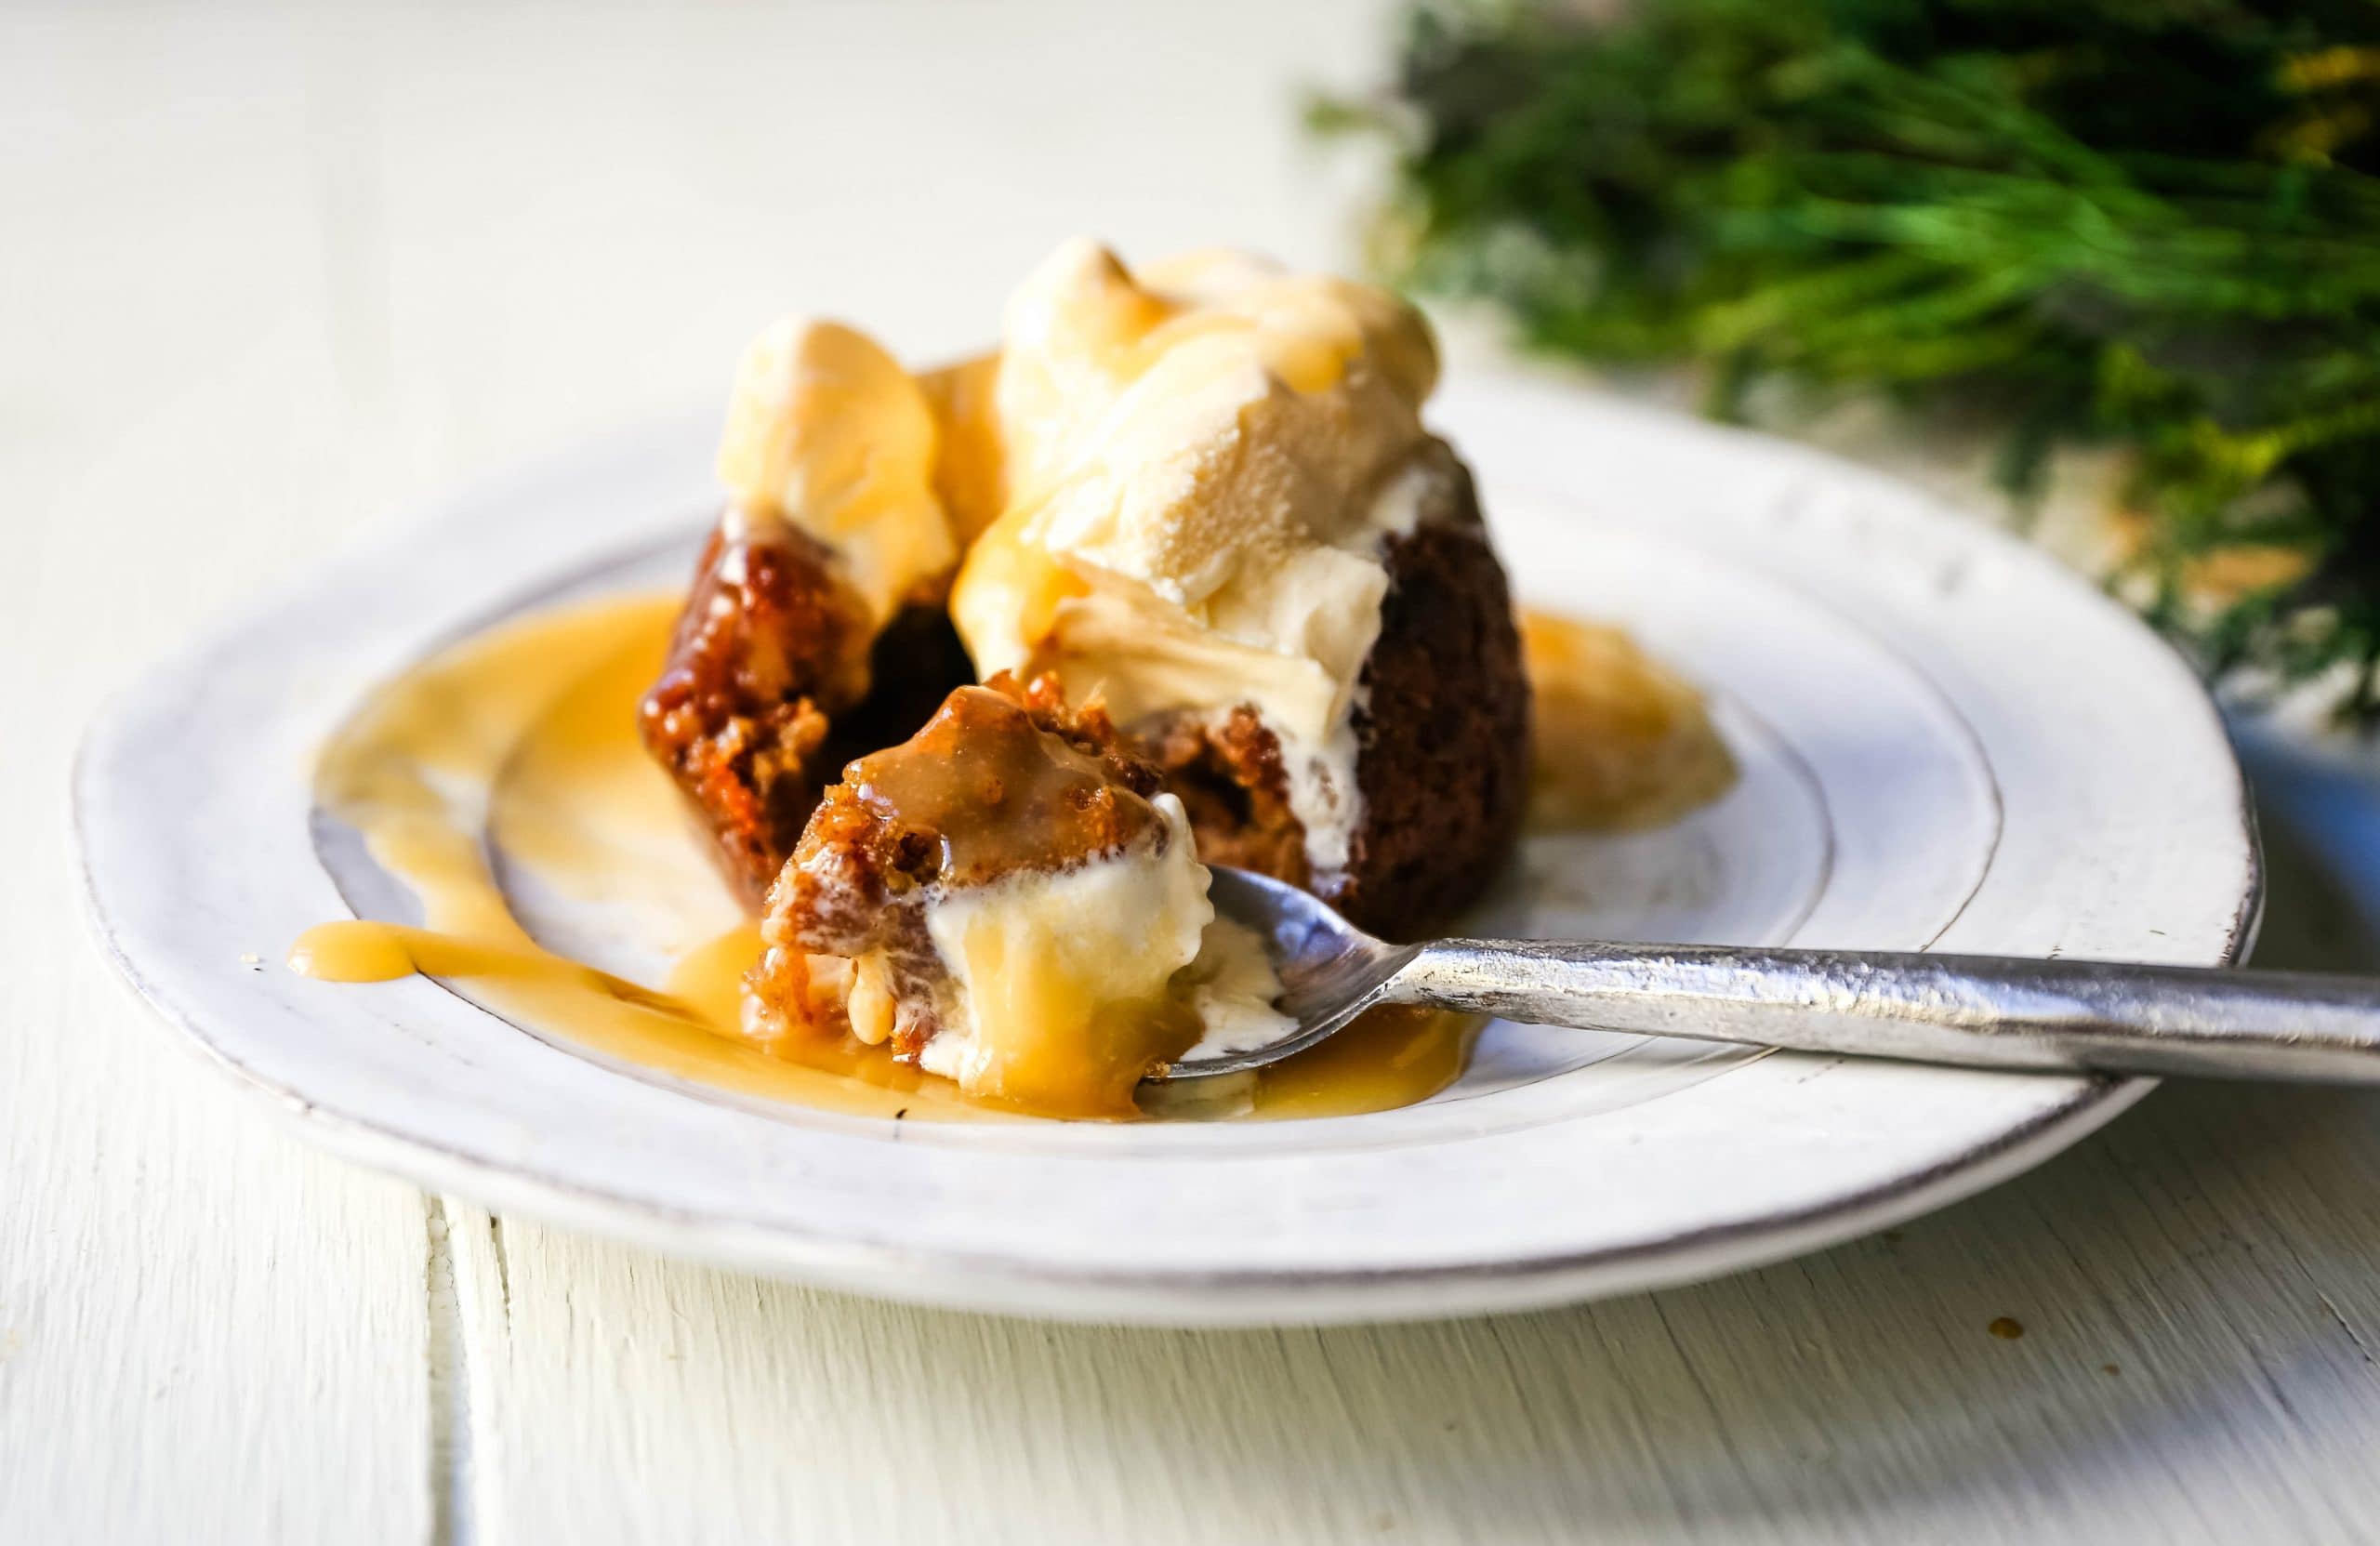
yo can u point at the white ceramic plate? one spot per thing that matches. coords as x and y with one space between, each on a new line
1948 742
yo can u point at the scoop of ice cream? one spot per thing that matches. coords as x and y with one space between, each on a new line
1201 463
969 474
828 432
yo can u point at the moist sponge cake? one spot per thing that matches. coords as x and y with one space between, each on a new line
770 648
776 678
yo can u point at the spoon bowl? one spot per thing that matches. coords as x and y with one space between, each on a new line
1331 970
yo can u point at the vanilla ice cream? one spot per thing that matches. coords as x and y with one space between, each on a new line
1082 978
827 431
1202 465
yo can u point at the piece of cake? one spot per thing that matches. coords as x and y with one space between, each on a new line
1010 900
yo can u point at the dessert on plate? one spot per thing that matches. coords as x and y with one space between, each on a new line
982 669
1232 601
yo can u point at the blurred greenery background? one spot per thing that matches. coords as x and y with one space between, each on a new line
2145 226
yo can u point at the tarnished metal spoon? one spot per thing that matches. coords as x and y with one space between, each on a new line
1978 1010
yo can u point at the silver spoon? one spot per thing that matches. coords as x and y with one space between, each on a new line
1981 1010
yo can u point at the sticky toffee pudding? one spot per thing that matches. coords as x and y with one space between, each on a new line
983 666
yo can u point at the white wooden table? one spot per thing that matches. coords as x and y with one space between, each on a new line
266 277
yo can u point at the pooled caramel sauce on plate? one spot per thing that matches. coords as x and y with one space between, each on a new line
526 734
1621 741
521 743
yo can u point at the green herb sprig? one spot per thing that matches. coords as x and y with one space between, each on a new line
2149 223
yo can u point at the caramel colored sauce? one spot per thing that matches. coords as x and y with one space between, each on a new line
997 793
1621 742
436 753
1392 1057
354 950
527 732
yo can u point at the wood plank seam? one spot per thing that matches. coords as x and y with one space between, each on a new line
450 1387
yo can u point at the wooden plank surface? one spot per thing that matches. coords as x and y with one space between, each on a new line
2195 1365
208 1332
268 274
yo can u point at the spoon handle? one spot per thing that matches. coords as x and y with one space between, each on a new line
1981 1010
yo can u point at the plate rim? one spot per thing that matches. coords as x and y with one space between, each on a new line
1156 1293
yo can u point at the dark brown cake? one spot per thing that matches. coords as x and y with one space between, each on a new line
1442 737
772 683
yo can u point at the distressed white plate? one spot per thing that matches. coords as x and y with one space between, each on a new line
1948 741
